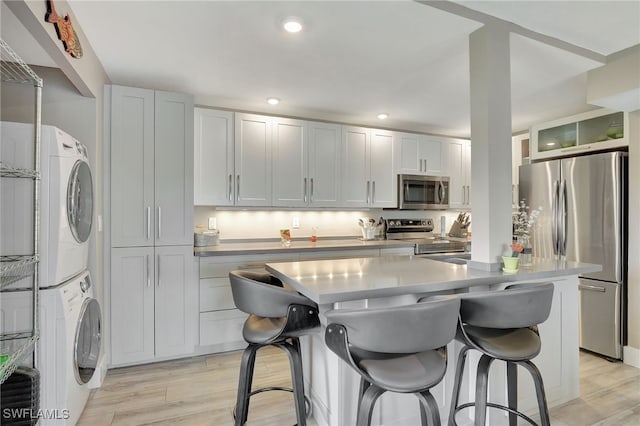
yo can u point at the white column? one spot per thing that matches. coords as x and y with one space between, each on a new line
489 65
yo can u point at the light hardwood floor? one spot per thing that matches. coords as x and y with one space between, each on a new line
202 390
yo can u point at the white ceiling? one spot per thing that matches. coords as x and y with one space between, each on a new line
354 59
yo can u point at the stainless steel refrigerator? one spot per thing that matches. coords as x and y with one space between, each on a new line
584 219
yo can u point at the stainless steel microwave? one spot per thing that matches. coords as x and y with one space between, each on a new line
416 192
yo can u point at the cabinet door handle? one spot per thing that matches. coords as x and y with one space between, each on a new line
237 187
513 192
373 192
368 192
230 187
464 195
148 273
158 260
311 197
148 223
159 222
305 190
468 195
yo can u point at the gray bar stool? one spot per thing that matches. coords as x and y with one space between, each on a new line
502 325
277 317
398 349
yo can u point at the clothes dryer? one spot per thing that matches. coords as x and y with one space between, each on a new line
66 201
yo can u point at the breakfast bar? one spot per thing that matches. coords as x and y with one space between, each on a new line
401 280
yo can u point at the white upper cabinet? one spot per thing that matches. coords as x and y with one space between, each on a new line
591 131
384 183
367 168
290 150
151 167
132 175
325 150
173 168
457 155
418 154
356 167
252 160
265 161
213 158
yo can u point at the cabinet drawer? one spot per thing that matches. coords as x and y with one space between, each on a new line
215 294
220 266
222 327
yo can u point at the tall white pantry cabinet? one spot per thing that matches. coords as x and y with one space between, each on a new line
153 294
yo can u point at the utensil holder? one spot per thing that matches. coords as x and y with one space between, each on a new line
369 233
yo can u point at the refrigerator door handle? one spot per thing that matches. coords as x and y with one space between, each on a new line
563 213
554 218
592 288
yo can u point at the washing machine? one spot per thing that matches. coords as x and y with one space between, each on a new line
66 201
70 345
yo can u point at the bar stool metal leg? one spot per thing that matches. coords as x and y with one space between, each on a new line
428 405
482 381
369 399
295 359
462 357
244 388
542 399
364 385
512 391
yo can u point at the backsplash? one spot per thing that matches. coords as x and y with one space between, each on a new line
252 224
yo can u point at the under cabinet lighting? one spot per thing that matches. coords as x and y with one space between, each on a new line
382 116
273 101
292 25
551 143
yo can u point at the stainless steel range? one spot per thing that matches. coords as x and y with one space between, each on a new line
420 231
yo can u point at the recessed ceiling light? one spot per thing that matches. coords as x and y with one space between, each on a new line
292 25
273 101
382 116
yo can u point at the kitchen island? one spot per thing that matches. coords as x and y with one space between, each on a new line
398 280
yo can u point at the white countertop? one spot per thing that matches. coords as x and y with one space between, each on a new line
329 281
323 244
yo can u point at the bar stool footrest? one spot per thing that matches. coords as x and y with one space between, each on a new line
498 406
307 402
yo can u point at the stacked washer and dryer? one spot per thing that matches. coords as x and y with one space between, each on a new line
69 350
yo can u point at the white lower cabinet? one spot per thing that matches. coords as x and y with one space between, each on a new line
220 322
154 303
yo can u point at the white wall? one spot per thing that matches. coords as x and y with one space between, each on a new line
616 85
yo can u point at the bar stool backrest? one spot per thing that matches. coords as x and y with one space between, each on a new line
515 307
262 294
403 329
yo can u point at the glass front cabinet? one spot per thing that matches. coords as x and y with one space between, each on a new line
592 131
